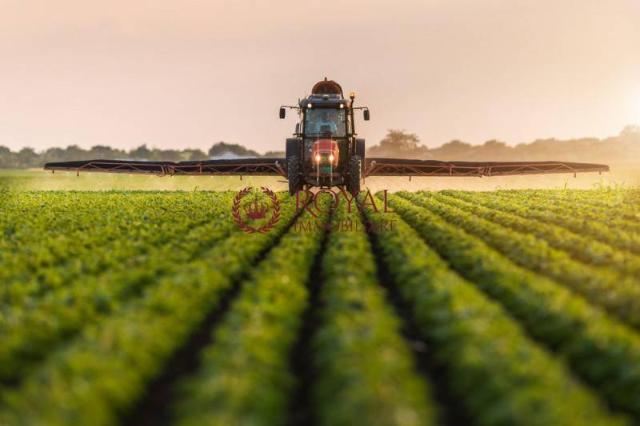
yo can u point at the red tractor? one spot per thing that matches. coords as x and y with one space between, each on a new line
325 151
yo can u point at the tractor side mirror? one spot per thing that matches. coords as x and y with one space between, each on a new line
366 115
283 113
297 128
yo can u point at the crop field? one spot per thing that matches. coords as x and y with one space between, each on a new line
450 307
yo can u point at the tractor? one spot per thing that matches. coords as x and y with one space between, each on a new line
325 151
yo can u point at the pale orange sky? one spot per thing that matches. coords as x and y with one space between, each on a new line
187 73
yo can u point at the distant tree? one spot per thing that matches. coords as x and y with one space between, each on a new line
454 150
6 158
27 157
630 131
105 152
274 154
193 154
54 154
141 153
168 155
398 143
494 145
222 148
74 152
492 150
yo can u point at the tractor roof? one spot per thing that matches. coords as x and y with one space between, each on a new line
327 87
323 101
325 94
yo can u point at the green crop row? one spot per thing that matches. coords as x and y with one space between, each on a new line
365 372
58 221
619 295
103 372
500 376
603 351
616 204
618 236
58 258
621 213
582 248
29 331
244 376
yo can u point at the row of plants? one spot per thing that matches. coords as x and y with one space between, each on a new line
126 228
578 246
601 229
129 238
619 211
31 216
364 368
245 375
29 331
602 351
100 374
618 294
499 375
613 203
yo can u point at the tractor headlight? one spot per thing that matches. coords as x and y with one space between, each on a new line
318 158
331 157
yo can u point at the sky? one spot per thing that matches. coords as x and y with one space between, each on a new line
189 73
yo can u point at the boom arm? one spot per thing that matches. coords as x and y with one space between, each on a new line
403 167
373 167
241 166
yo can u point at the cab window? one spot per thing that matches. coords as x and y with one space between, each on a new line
325 122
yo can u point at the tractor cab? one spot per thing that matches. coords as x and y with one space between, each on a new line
325 151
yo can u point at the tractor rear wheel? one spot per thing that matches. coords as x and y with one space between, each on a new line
355 175
293 174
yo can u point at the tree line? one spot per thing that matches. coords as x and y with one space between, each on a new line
28 157
623 148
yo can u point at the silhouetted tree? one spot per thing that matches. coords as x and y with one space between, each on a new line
630 131
27 157
141 153
400 144
454 150
222 148
193 155
6 158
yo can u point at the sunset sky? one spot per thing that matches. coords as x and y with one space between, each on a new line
186 73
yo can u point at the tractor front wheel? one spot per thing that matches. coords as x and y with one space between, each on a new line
293 174
355 175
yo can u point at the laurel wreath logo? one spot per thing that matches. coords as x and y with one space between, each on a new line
237 217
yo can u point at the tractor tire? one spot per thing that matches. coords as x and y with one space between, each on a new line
360 151
293 174
293 147
355 175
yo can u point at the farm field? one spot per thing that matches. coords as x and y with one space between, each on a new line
452 307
